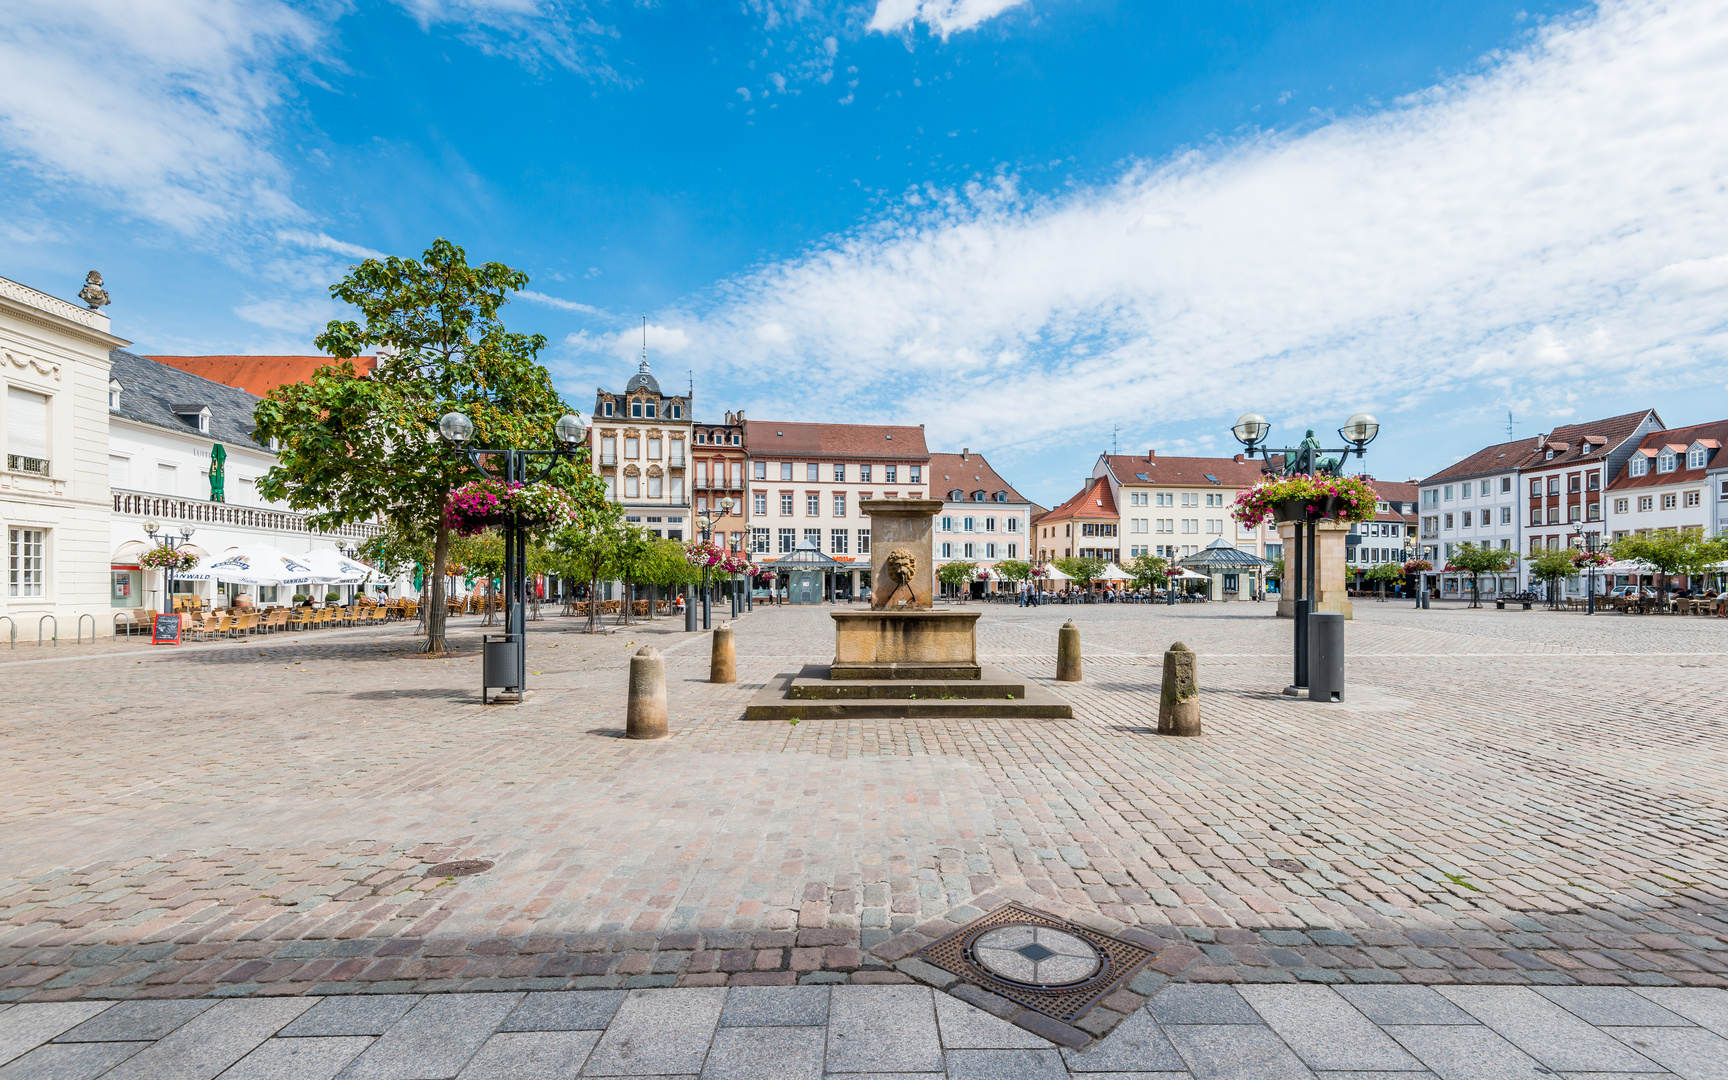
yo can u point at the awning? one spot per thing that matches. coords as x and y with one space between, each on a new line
333 568
254 564
1052 574
1114 573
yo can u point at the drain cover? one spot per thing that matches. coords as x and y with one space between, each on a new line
1037 960
459 868
1290 866
1036 955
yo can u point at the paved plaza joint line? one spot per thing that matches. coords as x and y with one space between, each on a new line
1505 797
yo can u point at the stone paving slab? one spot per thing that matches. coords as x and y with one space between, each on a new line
1505 797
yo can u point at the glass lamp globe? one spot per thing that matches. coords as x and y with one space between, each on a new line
726 505
455 427
1250 428
1360 429
568 429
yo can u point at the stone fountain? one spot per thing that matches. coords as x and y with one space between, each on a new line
902 657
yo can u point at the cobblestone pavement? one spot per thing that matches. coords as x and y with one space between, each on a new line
862 1032
1505 797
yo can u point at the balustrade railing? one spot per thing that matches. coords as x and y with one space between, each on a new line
200 511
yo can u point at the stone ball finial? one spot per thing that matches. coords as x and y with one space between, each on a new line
93 293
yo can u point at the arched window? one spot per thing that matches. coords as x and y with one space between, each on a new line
1697 457
1639 465
1665 461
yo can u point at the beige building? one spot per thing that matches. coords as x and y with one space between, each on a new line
1174 506
54 501
639 443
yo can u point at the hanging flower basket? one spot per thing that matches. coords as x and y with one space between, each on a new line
735 564
167 558
703 554
1418 566
1305 498
1586 559
539 507
475 507
486 504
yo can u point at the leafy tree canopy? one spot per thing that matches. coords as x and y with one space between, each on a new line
957 573
1147 570
1013 571
1084 571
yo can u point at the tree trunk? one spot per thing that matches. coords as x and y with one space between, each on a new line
435 641
594 600
490 619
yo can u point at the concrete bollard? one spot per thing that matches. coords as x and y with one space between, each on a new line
723 667
1179 698
645 716
1068 653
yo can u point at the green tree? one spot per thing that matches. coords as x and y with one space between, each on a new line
1669 553
1084 570
633 558
1384 574
362 449
585 551
958 574
1147 570
1479 559
1014 571
1550 565
1275 572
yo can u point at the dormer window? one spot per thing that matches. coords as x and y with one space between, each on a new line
650 410
1549 456
114 389
196 415
606 409
1665 461
636 409
677 412
1639 465
1697 457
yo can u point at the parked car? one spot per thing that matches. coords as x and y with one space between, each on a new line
1621 592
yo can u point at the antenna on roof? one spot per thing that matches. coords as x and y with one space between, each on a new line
692 376
1508 425
1113 430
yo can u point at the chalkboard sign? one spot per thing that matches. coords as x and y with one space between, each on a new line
166 630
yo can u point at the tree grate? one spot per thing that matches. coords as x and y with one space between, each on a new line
1120 961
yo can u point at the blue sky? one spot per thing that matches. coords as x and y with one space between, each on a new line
1025 225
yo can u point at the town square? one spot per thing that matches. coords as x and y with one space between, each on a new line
863 540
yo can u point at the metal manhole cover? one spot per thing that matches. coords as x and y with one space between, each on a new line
1289 866
1036 955
1037 960
459 868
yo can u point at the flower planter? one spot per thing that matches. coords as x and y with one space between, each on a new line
1325 507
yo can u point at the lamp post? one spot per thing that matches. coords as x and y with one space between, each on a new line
1251 430
1592 544
707 519
161 536
456 429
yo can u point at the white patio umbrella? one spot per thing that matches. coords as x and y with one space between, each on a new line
1114 573
254 564
1052 574
333 568
1190 575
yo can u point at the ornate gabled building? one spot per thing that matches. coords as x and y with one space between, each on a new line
639 442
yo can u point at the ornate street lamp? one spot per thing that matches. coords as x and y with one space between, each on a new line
161 536
1251 430
456 429
706 519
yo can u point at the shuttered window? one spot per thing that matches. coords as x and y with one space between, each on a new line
26 431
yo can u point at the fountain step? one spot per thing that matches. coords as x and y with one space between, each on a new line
791 695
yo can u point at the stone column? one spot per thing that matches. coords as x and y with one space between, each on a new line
1329 552
907 525
1179 696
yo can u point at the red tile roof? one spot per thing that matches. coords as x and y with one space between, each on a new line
258 375
950 471
1093 501
1501 457
1715 432
1598 434
1149 468
866 442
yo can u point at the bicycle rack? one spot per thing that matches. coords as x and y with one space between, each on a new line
131 623
14 628
39 623
81 619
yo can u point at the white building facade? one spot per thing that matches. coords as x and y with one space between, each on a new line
54 484
639 443
983 520
1674 480
1475 501
1174 506
163 427
806 481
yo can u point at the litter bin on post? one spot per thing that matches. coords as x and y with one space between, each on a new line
501 665
1325 656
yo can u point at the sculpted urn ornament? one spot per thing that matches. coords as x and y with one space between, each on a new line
902 566
93 293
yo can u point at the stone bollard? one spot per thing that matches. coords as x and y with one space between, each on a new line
1068 653
1179 698
723 667
645 716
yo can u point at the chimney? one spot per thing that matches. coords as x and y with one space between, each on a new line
1241 460
964 450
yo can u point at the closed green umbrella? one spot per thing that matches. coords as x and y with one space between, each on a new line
218 459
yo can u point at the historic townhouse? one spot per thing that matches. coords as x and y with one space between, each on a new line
1671 482
639 443
1565 473
1391 536
718 460
1085 526
983 520
1174 506
805 482
1474 501
54 486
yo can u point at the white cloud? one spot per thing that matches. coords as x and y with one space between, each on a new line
163 107
560 304
942 16
1559 214
531 32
